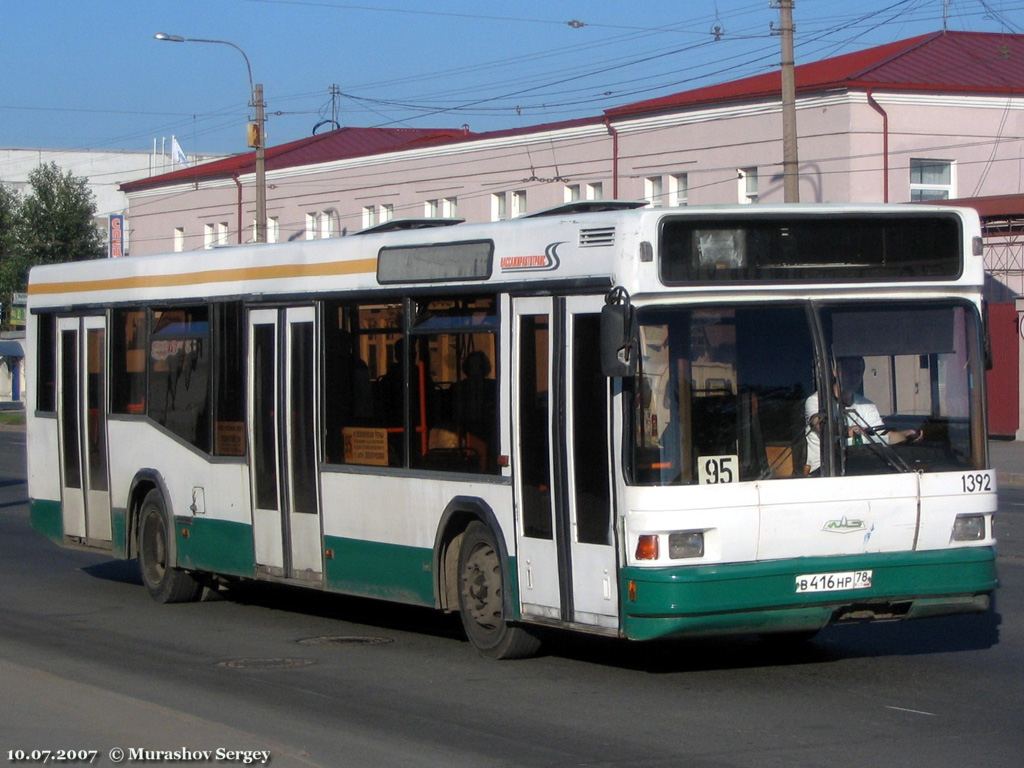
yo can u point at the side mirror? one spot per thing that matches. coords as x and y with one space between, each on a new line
620 342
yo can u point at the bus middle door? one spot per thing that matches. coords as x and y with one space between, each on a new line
282 432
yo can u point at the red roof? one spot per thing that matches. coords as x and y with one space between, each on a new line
338 145
991 206
941 62
322 148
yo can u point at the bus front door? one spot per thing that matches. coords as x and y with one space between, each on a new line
565 556
82 417
283 435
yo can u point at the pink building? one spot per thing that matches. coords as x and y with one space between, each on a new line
932 117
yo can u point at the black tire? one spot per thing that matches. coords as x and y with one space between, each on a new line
165 583
481 599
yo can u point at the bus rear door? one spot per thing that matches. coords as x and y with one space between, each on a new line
82 417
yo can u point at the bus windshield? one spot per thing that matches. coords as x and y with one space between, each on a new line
736 393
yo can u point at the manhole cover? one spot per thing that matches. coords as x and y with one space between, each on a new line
345 640
260 664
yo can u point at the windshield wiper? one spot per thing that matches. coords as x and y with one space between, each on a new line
874 439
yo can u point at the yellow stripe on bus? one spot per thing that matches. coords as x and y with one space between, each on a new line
237 274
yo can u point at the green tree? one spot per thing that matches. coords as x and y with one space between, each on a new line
53 223
9 204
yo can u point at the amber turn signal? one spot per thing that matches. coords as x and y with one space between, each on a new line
647 547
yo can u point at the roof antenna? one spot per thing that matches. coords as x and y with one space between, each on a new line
717 29
945 15
335 92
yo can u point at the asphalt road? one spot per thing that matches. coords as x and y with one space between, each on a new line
88 661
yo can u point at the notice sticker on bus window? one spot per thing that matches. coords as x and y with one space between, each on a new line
364 445
712 470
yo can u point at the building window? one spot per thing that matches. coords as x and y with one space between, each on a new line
209 236
311 220
273 230
326 225
595 191
431 209
678 189
499 206
571 193
387 212
931 180
653 191
747 184
518 203
450 207
222 233
179 239
369 216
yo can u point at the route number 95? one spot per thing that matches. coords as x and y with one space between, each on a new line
713 470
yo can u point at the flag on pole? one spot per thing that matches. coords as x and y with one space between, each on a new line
178 156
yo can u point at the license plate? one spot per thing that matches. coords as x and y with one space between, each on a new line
833 582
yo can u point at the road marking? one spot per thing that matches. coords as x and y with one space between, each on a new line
913 711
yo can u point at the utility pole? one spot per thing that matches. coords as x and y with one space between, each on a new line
261 167
790 158
255 131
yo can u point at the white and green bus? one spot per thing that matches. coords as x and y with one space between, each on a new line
641 423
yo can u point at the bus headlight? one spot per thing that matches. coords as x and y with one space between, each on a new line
683 544
968 528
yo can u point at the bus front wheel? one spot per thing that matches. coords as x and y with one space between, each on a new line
481 599
164 582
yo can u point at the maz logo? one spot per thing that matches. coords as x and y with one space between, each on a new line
537 263
844 525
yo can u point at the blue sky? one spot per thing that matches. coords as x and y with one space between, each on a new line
88 74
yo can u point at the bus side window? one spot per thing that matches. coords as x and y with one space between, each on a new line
128 361
46 356
363 384
453 399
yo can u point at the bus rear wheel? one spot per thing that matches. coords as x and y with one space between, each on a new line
164 582
481 599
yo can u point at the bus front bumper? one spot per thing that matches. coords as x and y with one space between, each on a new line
763 597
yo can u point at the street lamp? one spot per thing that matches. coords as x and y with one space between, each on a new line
257 138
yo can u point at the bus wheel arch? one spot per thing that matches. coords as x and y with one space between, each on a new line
457 516
152 535
473 571
145 480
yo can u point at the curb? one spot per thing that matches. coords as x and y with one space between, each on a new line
1009 479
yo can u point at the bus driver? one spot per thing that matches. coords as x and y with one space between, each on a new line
863 421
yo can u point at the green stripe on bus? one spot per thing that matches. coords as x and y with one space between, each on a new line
762 597
384 571
118 532
47 519
217 546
